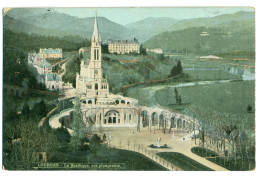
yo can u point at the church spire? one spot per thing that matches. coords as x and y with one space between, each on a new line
95 34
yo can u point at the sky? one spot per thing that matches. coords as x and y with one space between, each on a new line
128 15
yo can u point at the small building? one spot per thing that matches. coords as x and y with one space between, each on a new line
52 81
156 50
44 67
50 53
34 59
204 34
123 46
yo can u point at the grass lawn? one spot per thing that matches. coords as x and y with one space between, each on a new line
232 98
131 160
228 163
183 161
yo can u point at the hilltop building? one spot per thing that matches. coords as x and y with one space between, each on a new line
123 46
50 53
156 50
108 109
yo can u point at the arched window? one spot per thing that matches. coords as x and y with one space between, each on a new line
95 55
117 101
122 101
89 102
96 86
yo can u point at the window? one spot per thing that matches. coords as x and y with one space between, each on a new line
96 86
129 117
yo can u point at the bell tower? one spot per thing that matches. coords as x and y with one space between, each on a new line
95 55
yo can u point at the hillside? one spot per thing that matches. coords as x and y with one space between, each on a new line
151 26
73 25
223 39
20 26
213 21
33 42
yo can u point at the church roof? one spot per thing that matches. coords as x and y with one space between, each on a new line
95 31
53 77
44 64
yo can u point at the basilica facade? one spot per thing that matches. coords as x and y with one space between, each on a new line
99 106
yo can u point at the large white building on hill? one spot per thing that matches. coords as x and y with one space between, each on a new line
123 46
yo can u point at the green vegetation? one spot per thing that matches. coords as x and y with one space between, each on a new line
131 160
72 68
231 163
31 43
22 139
226 99
122 70
218 39
183 162
77 125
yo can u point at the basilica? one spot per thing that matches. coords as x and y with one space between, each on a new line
100 107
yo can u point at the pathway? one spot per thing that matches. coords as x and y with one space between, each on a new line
132 140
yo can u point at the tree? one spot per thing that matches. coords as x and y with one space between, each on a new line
179 67
26 110
63 136
176 69
40 109
142 50
249 108
77 126
177 97
22 154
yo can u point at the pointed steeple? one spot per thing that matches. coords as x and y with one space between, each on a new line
95 34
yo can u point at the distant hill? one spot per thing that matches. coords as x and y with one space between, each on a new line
20 26
236 35
213 21
47 21
73 25
151 26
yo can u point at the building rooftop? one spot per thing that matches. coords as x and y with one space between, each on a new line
44 64
110 41
53 77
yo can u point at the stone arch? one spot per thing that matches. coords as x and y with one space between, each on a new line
89 101
172 124
128 102
84 102
117 101
154 119
145 119
183 124
161 120
122 101
113 116
179 123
